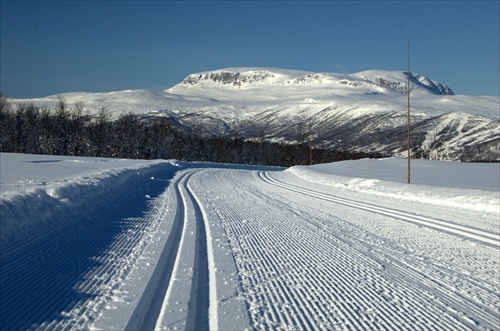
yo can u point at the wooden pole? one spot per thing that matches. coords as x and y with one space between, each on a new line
409 156
310 144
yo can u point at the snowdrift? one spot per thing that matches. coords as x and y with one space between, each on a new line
473 186
46 192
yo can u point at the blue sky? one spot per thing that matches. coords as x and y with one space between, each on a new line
52 47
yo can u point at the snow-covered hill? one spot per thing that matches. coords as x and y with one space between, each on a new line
364 111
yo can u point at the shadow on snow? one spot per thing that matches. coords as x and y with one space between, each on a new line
40 280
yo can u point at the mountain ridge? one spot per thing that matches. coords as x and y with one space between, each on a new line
363 111
253 77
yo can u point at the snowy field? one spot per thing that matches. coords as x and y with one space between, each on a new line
106 244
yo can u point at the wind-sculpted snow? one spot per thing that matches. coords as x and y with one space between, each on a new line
176 245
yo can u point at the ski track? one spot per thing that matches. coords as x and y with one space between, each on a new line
485 237
148 309
297 273
249 250
186 301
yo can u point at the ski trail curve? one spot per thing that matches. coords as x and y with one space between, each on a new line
197 317
484 237
178 294
148 309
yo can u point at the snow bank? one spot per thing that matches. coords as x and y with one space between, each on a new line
40 192
472 186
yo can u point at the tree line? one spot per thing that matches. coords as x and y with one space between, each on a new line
73 131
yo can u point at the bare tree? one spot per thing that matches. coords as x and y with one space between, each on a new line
7 125
102 130
77 137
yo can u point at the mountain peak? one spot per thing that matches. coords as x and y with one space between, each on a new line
398 80
232 77
425 82
371 81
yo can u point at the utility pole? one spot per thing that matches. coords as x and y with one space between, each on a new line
310 144
409 111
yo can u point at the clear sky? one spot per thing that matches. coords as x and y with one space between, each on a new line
52 47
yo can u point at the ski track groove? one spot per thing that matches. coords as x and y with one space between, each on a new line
198 313
277 261
451 296
485 237
149 307
186 305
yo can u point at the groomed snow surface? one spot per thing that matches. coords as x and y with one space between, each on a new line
105 244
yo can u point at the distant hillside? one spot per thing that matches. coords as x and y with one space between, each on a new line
364 111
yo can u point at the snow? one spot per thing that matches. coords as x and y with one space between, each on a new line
106 244
253 90
453 184
121 102
25 173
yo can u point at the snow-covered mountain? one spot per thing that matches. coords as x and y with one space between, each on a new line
364 111
250 78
